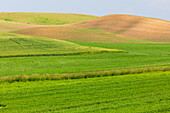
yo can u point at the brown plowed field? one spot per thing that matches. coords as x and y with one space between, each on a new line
134 26
77 34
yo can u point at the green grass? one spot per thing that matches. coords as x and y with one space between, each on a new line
48 75
138 93
45 18
156 49
13 45
138 56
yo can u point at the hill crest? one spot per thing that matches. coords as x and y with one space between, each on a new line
134 26
45 18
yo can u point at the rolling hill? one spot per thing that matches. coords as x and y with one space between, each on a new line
78 34
7 26
13 45
143 28
44 18
39 74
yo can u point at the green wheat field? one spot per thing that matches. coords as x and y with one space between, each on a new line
69 63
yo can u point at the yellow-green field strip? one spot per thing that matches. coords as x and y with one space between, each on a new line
65 54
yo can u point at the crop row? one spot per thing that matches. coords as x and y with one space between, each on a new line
36 77
65 54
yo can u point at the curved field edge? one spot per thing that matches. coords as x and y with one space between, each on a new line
36 77
15 45
45 18
138 56
7 26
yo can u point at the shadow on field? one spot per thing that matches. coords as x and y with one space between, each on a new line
2 105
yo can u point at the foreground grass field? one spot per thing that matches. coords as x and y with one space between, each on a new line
138 56
44 18
141 93
13 45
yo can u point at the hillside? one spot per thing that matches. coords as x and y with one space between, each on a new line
44 18
134 26
13 45
12 26
78 34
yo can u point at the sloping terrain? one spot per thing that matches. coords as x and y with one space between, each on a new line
137 56
13 45
78 34
60 77
44 18
134 26
12 26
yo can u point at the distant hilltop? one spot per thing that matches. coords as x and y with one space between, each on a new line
88 28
